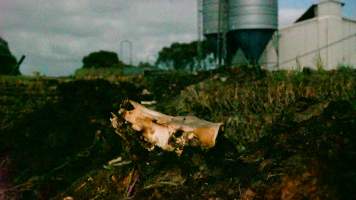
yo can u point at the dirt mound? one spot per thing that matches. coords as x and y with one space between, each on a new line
311 159
61 140
285 137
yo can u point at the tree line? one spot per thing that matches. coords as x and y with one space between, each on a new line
177 56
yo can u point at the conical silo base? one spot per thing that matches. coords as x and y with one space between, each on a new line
253 42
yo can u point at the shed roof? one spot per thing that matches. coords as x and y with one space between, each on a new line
312 12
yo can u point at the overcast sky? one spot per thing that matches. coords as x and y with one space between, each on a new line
56 34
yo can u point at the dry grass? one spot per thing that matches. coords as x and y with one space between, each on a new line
247 107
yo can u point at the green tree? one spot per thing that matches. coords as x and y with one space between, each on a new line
181 56
145 65
102 59
8 62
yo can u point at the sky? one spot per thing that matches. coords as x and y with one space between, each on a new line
56 34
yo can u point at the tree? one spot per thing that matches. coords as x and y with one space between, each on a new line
181 56
145 65
102 59
8 62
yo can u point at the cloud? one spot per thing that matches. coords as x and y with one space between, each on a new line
55 35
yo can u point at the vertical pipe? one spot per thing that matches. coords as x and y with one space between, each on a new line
277 48
224 49
131 54
130 45
318 41
199 28
219 35
327 43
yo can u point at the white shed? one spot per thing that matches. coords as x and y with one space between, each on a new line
321 37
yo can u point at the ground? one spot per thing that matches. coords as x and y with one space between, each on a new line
286 135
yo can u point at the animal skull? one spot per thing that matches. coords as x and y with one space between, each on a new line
170 133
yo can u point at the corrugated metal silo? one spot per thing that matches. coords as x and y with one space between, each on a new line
211 16
252 24
215 23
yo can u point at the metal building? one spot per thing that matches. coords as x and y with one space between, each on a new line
321 37
244 24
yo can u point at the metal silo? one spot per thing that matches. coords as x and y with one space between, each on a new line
211 16
252 24
215 25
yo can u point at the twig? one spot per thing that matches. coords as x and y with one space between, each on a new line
160 184
131 186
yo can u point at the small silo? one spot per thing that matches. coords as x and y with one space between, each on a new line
211 16
213 21
252 24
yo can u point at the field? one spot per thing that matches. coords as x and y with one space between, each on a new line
287 135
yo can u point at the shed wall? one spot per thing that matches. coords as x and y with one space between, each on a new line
327 42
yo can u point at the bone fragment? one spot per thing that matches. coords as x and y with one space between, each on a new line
170 133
